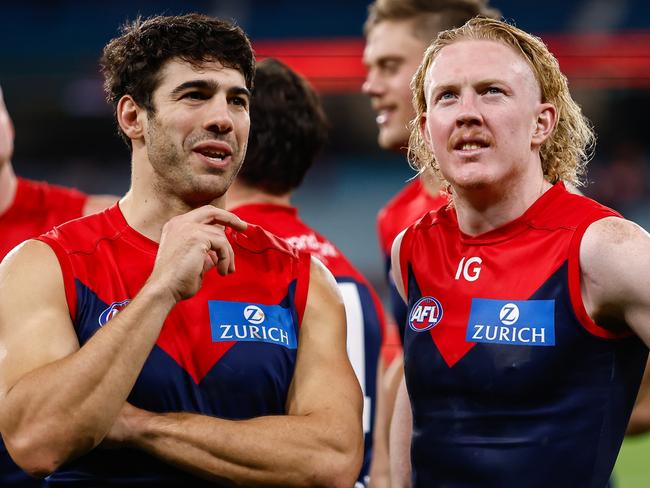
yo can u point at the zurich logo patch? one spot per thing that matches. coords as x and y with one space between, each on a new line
112 311
520 322
254 314
425 314
246 322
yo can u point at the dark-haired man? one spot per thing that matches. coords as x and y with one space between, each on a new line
146 339
288 131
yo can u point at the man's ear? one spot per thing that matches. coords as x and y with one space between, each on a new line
545 124
129 116
424 133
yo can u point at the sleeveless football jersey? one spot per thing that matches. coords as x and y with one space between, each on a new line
511 383
411 203
365 316
37 207
229 351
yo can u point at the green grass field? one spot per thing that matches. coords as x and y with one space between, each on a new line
633 465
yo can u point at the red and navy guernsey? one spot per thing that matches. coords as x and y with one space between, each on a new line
229 351
511 382
365 315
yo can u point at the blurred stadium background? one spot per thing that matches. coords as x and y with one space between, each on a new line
66 133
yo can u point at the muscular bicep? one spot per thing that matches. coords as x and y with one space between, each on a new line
35 325
615 272
395 266
324 379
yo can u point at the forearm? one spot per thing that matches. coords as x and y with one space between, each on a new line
65 408
266 451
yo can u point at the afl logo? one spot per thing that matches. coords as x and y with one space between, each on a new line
425 314
255 315
112 311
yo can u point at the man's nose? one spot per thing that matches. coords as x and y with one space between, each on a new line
468 113
218 118
373 85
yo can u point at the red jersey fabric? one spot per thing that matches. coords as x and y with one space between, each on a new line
37 207
404 209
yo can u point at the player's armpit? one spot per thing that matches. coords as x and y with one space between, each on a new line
615 274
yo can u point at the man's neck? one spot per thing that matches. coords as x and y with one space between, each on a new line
148 208
240 194
483 210
8 185
431 183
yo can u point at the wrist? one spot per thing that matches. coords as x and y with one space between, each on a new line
159 293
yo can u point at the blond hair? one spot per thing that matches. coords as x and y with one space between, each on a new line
565 153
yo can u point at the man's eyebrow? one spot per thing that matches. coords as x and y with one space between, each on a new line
208 85
240 90
203 84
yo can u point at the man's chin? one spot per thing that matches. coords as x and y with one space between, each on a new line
392 142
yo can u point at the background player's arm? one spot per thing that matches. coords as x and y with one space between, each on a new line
401 428
615 269
59 400
640 419
379 468
319 442
6 133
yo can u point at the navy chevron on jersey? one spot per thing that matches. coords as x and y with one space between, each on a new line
229 351
365 316
511 383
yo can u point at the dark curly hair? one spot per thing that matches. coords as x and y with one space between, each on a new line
131 63
288 129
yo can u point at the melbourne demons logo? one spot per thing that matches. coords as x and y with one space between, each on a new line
425 314
112 311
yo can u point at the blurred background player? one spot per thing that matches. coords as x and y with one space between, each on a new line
397 33
288 131
27 209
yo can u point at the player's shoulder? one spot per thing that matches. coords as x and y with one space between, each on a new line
49 192
404 196
83 233
562 208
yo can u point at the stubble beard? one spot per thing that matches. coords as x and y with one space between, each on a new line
174 176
